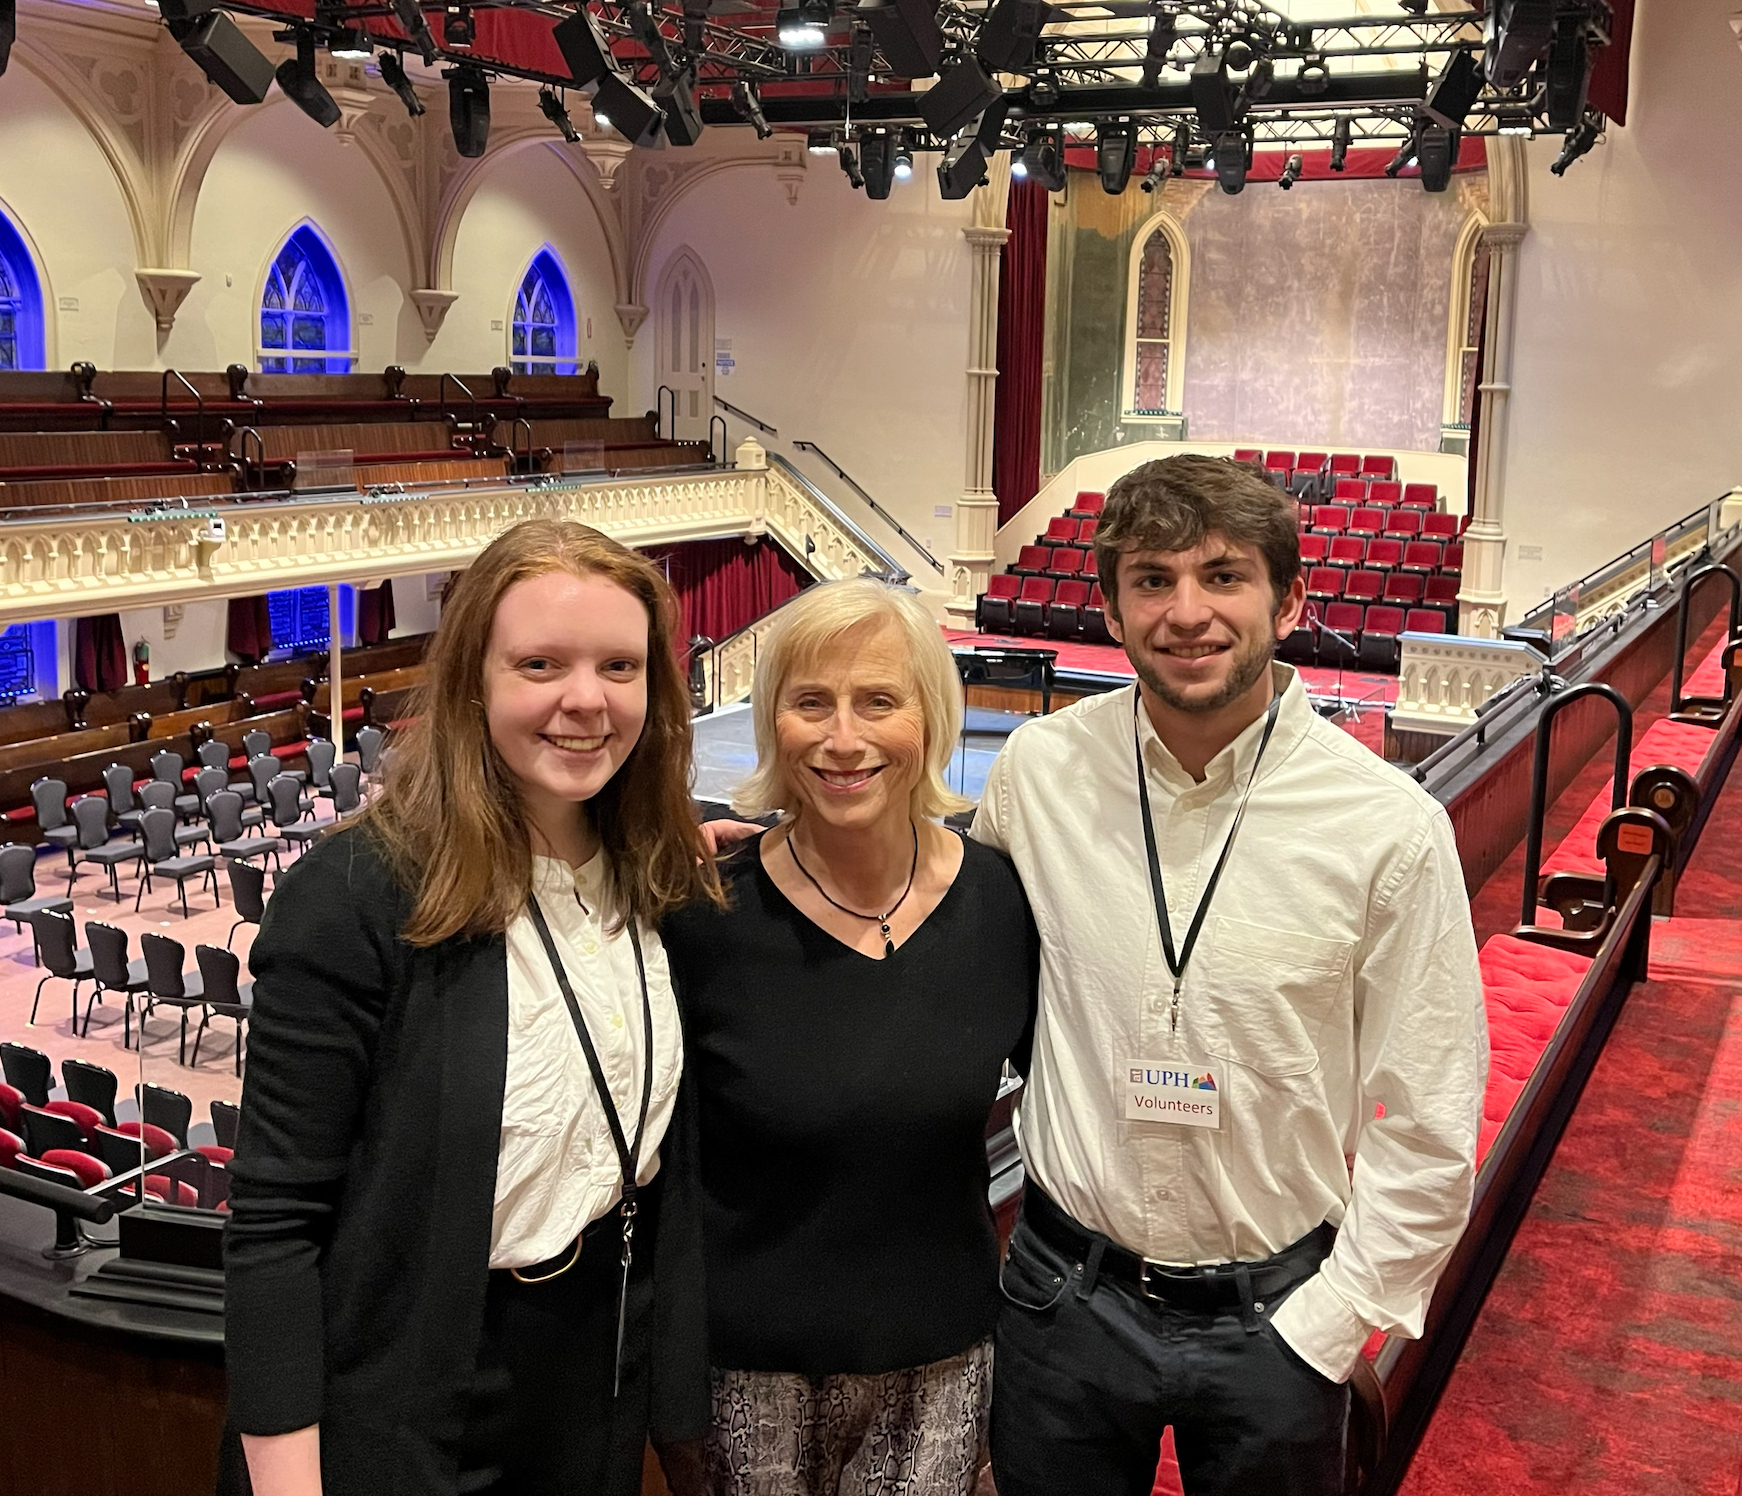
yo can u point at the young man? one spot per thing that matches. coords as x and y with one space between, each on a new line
1254 936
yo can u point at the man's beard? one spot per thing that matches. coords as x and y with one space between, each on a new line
1243 673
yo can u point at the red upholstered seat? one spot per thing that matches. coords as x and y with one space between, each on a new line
1439 526
1404 523
1312 549
1325 582
1310 462
1421 555
1442 592
1403 587
1248 454
1331 519
1364 586
1088 504
1453 558
89 1170
171 1191
1527 987
1385 554
1424 621
1284 460
1091 564
1003 585
1031 604
1350 490
1060 530
1086 531
1367 521
11 1145
1031 560
1386 491
157 1141
1066 561
1345 462
1347 550
1379 639
1426 495
995 609
11 1104
1378 467
88 1117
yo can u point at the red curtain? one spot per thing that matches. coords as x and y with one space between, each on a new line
725 585
1609 71
100 653
248 634
375 614
1021 331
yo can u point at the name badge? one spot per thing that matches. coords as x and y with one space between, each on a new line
1177 1091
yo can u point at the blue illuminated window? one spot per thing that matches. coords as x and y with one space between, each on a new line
27 661
543 339
305 315
301 619
21 340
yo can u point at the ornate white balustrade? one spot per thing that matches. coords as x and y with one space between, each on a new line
67 566
1443 678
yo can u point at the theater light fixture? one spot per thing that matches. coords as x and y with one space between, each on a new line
683 116
850 165
1213 94
1405 154
459 27
409 14
584 47
963 167
803 27
1043 160
212 41
747 105
1163 30
1115 154
1290 172
903 161
820 142
393 75
1515 33
9 32
551 107
1008 40
1313 78
469 108
296 77
907 31
351 46
1454 92
1233 161
964 91
1515 119
1180 148
1155 179
1341 134
1579 140
1437 151
627 109
1568 73
861 49
1018 167
877 158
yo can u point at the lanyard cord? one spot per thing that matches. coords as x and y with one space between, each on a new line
628 1154
1176 965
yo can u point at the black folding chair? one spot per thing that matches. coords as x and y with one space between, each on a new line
162 860
57 944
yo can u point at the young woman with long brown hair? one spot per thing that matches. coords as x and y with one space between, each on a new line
449 1266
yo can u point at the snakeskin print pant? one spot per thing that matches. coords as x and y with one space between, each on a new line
919 1432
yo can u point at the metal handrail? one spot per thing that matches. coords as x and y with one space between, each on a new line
459 384
719 421
515 426
659 412
1539 776
894 572
259 467
1681 623
876 508
744 415
199 402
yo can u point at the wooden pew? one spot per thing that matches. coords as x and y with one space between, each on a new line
318 695
220 716
96 454
101 708
47 753
114 493
34 719
445 470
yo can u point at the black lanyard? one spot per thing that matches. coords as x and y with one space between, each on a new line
628 1154
1176 965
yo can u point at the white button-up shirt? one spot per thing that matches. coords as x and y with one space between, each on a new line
1335 974
557 1168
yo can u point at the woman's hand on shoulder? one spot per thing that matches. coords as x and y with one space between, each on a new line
723 835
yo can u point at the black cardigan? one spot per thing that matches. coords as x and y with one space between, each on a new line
357 1252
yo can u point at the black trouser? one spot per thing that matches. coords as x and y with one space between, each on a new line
542 1419
1096 1358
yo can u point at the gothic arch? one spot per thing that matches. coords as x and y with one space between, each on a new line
1164 224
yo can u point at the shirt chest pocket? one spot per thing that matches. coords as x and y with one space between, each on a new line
1264 994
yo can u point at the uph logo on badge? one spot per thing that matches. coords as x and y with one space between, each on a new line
1172 1092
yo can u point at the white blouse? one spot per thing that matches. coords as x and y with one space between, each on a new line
557 1169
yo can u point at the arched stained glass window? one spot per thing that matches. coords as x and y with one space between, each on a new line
21 326
305 315
543 336
1154 323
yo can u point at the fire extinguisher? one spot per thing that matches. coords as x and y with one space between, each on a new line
141 661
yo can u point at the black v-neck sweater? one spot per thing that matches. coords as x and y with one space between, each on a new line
842 1103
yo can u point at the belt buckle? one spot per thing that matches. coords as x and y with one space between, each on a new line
1180 1278
1143 1280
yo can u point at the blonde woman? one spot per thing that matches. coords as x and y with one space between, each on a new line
847 1017
449 1266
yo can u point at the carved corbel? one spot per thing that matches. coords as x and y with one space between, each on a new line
791 161
432 306
164 291
607 153
631 317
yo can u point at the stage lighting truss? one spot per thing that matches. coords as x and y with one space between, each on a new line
1373 73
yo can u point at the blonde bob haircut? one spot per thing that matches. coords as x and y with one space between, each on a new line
836 616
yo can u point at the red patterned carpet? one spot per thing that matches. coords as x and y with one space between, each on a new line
1608 1359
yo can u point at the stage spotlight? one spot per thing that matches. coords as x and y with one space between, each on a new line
747 104
1341 133
584 47
411 20
877 158
903 160
551 107
1162 32
1290 172
1454 91
627 109
683 117
1043 92
861 47
213 41
963 91
695 12
351 46
1011 32
1568 73
803 27
1115 154
1213 94
1018 167
1238 57
469 108
1579 141
1180 149
393 75
820 142
850 166
1155 179
459 27
1233 160
963 167
1043 160
1515 34
1515 119
296 77
908 33
1313 78
1405 154
1437 151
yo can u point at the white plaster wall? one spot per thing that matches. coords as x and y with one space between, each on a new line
197 644
849 327
414 610
1627 386
61 193
529 199
276 168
